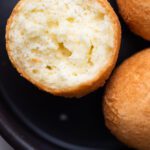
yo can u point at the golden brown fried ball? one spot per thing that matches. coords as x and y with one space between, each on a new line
136 13
127 102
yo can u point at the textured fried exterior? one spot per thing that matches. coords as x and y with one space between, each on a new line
136 13
127 101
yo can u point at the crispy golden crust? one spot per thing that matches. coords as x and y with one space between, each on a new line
136 14
127 101
82 89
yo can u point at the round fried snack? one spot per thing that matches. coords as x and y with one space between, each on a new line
127 101
67 48
136 13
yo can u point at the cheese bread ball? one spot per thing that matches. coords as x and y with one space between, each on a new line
127 101
136 13
65 47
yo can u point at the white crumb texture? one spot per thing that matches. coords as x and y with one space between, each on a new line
62 43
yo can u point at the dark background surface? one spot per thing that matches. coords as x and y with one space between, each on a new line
38 120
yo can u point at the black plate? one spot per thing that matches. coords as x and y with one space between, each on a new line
70 124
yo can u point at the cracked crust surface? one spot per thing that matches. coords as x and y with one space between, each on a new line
136 13
127 101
